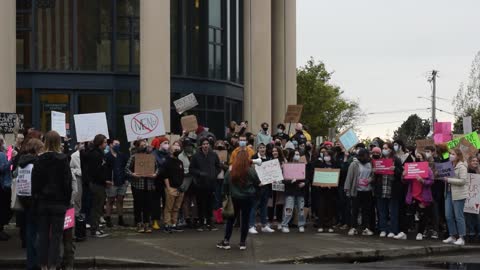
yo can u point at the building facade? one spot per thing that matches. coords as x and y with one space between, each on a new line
125 56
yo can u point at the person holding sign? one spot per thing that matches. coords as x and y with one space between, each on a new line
456 193
472 220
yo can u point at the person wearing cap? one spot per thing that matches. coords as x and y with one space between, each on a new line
328 145
263 137
161 154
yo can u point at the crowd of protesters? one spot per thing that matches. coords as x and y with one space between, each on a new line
189 183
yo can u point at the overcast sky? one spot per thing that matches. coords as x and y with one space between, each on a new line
381 52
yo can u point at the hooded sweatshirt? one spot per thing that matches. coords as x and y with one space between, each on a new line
23 162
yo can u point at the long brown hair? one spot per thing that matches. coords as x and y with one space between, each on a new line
459 157
240 168
53 142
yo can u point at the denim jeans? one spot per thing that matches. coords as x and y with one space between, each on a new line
290 203
394 207
242 206
454 215
362 203
383 214
473 223
260 202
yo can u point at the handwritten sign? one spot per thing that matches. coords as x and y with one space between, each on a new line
278 187
189 123
472 203
144 125
444 169
467 124
269 172
443 127
421 144
185 103
383 166
441 138
144 164
467 149
69 221
326 177
414 169
88 125
349 139
222 155
58 123
24 181
10 123
294 171
471 137
293 114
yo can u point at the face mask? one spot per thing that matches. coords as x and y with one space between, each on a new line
357 151
141 149
279 131
165 146
176 153
107 149
242 143
296 157
396 148
418 160
116 148
221 148
428 155
308 147
265 129
386 152
278 144
452 157
376 157
327 158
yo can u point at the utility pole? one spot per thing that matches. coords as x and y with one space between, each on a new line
433 80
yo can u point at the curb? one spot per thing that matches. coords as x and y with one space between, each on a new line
87 262
374 255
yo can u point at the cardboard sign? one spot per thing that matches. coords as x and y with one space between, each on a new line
69 221
383 166
185 103
294 171
278 187
467 149
471 137
441 138
348 139
189 123
222 155
444 169
89 125
293 114
10 123
24 181
421 144
59 123
144 125
443 127
326 177
269 172
472 203
144 164
414 169
467 124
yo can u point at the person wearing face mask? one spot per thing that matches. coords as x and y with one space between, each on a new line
281 135
456 192
242 145
263 137
117 188
188 205
143 188
299 136
472 220
438 190
359 189
161 154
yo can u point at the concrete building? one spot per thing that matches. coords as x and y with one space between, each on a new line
125 56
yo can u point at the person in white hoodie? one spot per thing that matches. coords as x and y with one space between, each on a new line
455 195
75 167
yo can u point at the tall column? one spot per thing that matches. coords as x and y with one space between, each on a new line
155 57
8 66
284 74
257 106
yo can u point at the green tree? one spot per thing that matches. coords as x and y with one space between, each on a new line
414 128
324 106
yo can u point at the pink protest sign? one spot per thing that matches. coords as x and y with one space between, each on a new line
442 138
414 169
443 127
383 166
69 219
294 171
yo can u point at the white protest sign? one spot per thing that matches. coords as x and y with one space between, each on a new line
58 123
144 125
348 139
472 203
24 181
269 172
278 187
88 125
467 125
186 103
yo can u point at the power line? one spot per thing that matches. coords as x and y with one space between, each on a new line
440 110
399 111
383 123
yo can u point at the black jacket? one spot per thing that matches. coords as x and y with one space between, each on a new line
205 169
52 179
96 167
174 172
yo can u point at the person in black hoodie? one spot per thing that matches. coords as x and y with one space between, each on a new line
51 193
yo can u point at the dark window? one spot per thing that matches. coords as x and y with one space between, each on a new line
215 39
24 34
24 104
128 36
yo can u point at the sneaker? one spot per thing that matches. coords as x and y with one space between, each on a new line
167 229
252 230
267 229
320 230
176 229
102 220
285 230
419 237
108 221
331 230
352 231
223 245
344 227
212 228
459 242
400 236
99 234
301 229
148 228
243 246
140 228
449 240
155 225
383 234
202 228
367 232
391 235
87 226
434 235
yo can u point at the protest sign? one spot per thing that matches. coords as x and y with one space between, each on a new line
471 137
421 144
472 203
326 177
441 138
467 124
269 172
24 181
294 171
69 221
189 123
348 139
293 114
414 169
10 123
443 127
88 125
173 138
144 164
467 149
444 169
383 166
144 125
58 123
185 103
278 187
222 155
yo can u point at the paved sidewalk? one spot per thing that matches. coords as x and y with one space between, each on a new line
193 248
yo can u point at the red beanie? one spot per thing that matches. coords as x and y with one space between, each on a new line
158 141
